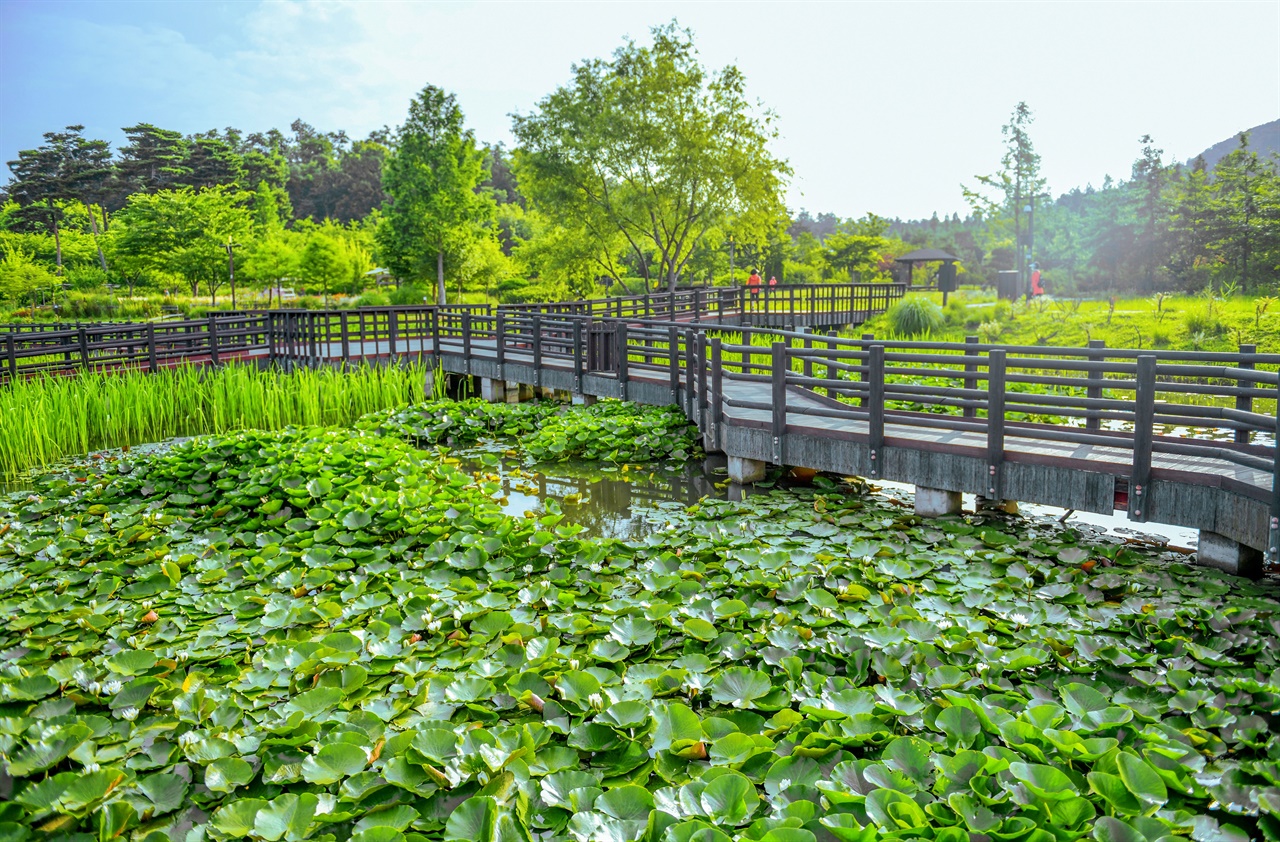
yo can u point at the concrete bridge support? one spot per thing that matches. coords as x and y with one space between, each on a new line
584 400
935 502
1230 556
745 471
493 391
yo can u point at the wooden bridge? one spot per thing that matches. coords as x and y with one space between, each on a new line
1178 437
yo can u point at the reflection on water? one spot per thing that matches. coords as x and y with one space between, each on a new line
609 501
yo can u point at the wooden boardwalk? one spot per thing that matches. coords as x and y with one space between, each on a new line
1185 438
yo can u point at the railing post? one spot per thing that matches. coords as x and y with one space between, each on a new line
701 412
1144 414
500 338
84 348
970 368
578 354
152 362
271 337
646 299
833 373
1243 402
538 348
346 338
11 353
313 328
808 358
1092 421
697 304
392 329
717 394
690 371
1273 533
624 374
673 362
995 424
435 336
866 337
466 341
778 371
875 409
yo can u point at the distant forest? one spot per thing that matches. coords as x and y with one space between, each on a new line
445 214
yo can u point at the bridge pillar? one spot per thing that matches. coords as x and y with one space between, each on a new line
584 400
935 502
745 471
493 391
1009 507
1231 556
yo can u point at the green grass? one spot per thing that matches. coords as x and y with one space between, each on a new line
52 418
1172 322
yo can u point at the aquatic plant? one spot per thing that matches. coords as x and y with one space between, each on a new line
331 634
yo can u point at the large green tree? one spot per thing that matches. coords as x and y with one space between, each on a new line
651 146
183 232
433 208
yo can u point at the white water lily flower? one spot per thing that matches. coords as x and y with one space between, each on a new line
94 687
969 553
112 687
528 568
595 700
182 656
91 767
130 713
186 738
1020 618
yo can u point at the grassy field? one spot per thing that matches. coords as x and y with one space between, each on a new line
1182 322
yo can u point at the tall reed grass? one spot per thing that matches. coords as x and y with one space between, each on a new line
47 419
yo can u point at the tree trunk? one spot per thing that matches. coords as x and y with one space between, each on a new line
93 224
440 296
57 240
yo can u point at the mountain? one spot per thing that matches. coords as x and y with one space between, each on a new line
1264 140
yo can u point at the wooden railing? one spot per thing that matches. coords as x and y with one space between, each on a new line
293 337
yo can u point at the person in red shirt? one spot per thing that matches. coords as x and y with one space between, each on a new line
1036 288
773 280
753 283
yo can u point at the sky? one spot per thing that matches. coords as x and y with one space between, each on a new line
883 107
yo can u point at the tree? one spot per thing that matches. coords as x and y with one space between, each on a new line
1150 176
430 180
183 232
1016 185
21 276
1244 203
651 146
69 167
322 262
153 159
856 246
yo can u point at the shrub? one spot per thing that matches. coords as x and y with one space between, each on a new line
915 315
408 294
1198 321
800 273
373 299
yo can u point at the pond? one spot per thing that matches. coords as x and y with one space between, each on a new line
325 632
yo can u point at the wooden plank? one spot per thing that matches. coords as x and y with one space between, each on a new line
673 361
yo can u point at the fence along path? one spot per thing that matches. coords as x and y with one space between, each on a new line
1187 438
311 337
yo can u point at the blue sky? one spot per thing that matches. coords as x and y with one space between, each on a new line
884 107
